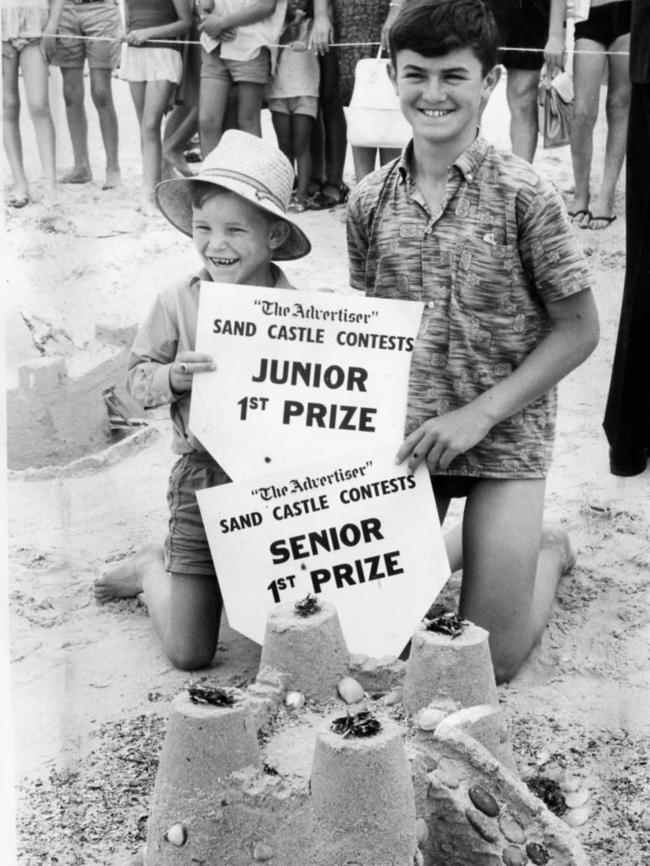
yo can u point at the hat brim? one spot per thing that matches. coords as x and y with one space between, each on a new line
175 202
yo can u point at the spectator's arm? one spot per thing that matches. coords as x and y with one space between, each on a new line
322 33
251 14
393 9
48 41
555 50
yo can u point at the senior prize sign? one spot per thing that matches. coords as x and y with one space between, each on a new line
299 373
358 531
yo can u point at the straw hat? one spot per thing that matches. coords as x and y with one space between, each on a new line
250 167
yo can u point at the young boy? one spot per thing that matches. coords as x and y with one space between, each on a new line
486 244
292 96
235 211
239 45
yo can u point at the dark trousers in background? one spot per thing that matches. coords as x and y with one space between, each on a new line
627 415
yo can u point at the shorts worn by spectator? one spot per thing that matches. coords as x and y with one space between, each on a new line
100 21
521 25
97 19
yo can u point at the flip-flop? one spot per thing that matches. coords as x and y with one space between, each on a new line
578 213
18 199
608 220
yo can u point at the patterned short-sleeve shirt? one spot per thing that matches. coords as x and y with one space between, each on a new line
485 265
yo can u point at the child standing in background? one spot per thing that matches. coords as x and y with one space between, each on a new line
240 39
27 44
152 70
293 95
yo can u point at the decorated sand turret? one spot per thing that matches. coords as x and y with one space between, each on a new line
332 760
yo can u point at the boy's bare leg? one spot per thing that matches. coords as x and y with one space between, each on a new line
185 609
101 91
510 568
213 99
521 93
587 77
127 580
11 126
73 94
617 109
249 107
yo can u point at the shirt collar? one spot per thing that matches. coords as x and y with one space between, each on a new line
467 163
280 279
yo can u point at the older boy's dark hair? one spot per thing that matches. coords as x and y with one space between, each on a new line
433 28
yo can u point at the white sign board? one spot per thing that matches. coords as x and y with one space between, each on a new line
298 374
360 532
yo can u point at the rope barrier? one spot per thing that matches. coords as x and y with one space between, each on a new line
179 42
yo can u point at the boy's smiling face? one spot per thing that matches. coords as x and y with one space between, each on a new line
235 239
443 97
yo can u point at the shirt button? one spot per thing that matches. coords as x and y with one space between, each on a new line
470 177
430 305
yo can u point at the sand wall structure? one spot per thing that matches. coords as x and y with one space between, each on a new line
341 774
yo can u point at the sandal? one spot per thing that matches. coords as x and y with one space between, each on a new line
575 215
608 220
322 201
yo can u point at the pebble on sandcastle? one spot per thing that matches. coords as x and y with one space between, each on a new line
306 768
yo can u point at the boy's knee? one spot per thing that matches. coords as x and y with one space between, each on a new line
189 658
101 95
39 110
10 108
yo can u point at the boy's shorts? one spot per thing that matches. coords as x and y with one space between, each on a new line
522 24
186 546
294 105
255 71
93 18
452 486
606 23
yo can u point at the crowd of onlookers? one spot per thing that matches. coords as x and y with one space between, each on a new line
197 67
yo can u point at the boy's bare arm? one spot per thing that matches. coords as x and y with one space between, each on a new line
214 25
572 339
322 32
48 42
554 51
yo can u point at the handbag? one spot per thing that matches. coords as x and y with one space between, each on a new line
555 112
374 116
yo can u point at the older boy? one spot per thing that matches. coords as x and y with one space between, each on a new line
100 21
235 211
486 243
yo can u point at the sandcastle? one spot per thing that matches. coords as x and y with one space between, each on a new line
328 760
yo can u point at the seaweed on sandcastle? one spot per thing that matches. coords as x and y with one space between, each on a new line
307 606
361 724
446 622
201 694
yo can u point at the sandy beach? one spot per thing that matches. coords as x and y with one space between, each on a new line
90 685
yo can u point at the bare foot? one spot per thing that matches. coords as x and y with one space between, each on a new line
178 164
148 208
555 538
579 213
113 180
125 581
136 859
77 175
